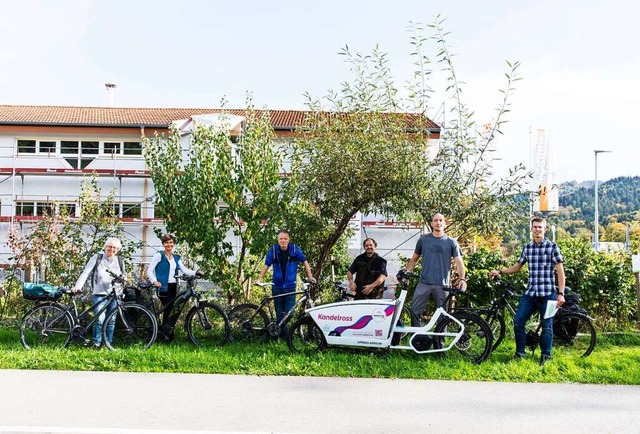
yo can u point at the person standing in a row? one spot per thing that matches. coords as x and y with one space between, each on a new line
163 273
284 257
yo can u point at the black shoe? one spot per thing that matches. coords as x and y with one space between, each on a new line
517 357
544 359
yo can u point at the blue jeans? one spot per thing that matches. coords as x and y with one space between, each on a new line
97 326
283 304
526 308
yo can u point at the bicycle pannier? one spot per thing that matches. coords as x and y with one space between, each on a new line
572 302
40 291
130 294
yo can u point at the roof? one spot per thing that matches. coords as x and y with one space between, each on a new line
133 117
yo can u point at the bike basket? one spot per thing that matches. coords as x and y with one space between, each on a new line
130 294
40 291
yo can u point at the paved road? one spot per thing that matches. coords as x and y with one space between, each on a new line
111 402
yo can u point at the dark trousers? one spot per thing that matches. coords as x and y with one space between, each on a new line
166 298
283 304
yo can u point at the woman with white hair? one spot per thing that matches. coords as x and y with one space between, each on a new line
97 268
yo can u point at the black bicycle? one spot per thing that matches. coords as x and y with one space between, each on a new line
258 322
206 323
573 331
50 324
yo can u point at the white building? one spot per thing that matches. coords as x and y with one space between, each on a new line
46 151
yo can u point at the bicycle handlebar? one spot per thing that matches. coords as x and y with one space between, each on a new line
505 286
187 278
116 277
404 274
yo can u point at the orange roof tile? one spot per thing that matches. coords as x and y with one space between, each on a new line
121 116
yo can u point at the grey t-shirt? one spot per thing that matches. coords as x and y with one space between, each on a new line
436 258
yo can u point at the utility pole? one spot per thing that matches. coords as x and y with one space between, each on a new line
595 219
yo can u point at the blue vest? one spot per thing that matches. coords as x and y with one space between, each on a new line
288 281
162 271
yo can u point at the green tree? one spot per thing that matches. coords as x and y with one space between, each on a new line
59 245
223 185
359 150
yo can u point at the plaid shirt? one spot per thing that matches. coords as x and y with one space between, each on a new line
541 259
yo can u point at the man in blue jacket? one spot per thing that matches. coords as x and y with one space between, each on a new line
285 257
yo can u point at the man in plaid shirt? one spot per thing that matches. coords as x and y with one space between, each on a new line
543 258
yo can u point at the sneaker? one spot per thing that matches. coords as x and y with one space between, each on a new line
517 357
95 346
544 359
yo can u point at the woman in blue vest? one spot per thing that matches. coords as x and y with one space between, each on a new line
163 273
284 257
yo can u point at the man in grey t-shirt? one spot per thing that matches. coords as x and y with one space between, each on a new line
437 250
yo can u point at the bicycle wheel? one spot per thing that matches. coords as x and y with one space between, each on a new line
207 325
248 323
305 336
46 325
573 333
498 328
135 327
476 340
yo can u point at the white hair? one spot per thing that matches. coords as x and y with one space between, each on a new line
114 242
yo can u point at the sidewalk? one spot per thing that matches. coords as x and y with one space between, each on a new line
112 402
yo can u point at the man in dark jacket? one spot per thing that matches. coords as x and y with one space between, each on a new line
284 257
370 272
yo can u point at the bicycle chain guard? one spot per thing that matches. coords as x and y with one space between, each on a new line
274 330
79 335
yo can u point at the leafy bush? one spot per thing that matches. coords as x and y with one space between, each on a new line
604 281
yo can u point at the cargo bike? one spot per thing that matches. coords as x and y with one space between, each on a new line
378 324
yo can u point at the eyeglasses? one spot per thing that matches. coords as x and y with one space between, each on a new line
114 247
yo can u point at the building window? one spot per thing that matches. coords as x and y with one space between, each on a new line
73 151
90 148
132 148
67 209
25 208
109 211
47 147
26 146
44 208
69 147
131 210
30 208
111 148
159 212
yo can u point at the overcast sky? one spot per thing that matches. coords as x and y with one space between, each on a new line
580 61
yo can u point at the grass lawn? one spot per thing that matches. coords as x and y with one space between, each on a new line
615 360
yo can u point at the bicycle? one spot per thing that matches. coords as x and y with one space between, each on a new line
50 324
251 322
206 323
573 331
375 324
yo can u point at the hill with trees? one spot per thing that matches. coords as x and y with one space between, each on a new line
618 199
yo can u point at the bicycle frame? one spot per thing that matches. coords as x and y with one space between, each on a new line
187 294
372 323
77 317
71 310
272 319
267 298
